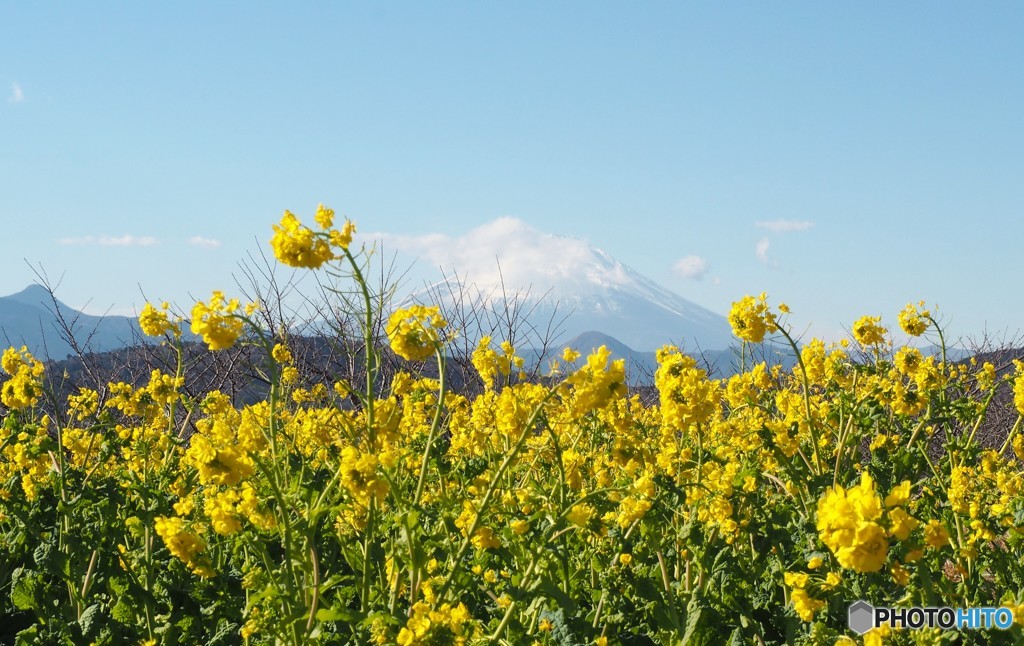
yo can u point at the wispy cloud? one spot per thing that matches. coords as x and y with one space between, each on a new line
693 267
784 226
17 95
509 252
761 251
111 241
200 241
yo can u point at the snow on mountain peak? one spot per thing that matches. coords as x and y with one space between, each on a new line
507 257
510 252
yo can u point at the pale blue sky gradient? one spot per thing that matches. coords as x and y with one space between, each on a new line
655 131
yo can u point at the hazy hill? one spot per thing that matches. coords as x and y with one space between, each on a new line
32 318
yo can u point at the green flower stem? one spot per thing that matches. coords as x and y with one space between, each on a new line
434 426
977 423
284 516
467 541
370 357
807 398
364 585
316 591
1009 436
511 607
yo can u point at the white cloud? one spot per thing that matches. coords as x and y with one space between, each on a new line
17 96
200 241
110 241
509 252
761 250
784 226
128 241
691 267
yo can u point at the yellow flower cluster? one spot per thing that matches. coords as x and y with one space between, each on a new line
688 397
23 388
154 322
414 331
85 404
597 382
219 322
218 454
912 320
490 365
1018 388
359 476
868 332
183 544
446 625
805 605
751 319
296 245
23 453
849 523
226 507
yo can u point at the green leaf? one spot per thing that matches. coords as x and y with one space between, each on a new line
123 612
91 619
43 554
28 637
694 610
700 621
646 590
552 591
340 613
117 585
24 589
227 632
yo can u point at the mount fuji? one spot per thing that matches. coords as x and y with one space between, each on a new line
507 267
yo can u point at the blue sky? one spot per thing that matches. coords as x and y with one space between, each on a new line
846 158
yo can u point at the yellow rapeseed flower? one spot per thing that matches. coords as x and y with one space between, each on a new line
297 245
1018 392
805 606
868 331
281 354
750 318
154 322
22 390
935 534
217 322
414 331
914 321
847 525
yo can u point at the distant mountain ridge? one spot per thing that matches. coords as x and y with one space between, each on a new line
641 366
31 318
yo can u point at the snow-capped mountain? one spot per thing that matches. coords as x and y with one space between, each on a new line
548 279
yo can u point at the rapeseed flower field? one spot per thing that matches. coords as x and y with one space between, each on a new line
746 510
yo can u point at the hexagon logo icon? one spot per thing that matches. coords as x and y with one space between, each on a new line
861 617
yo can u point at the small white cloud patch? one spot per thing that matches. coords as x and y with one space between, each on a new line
693 267
111 241
761 250
17 95
784 226
200 241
